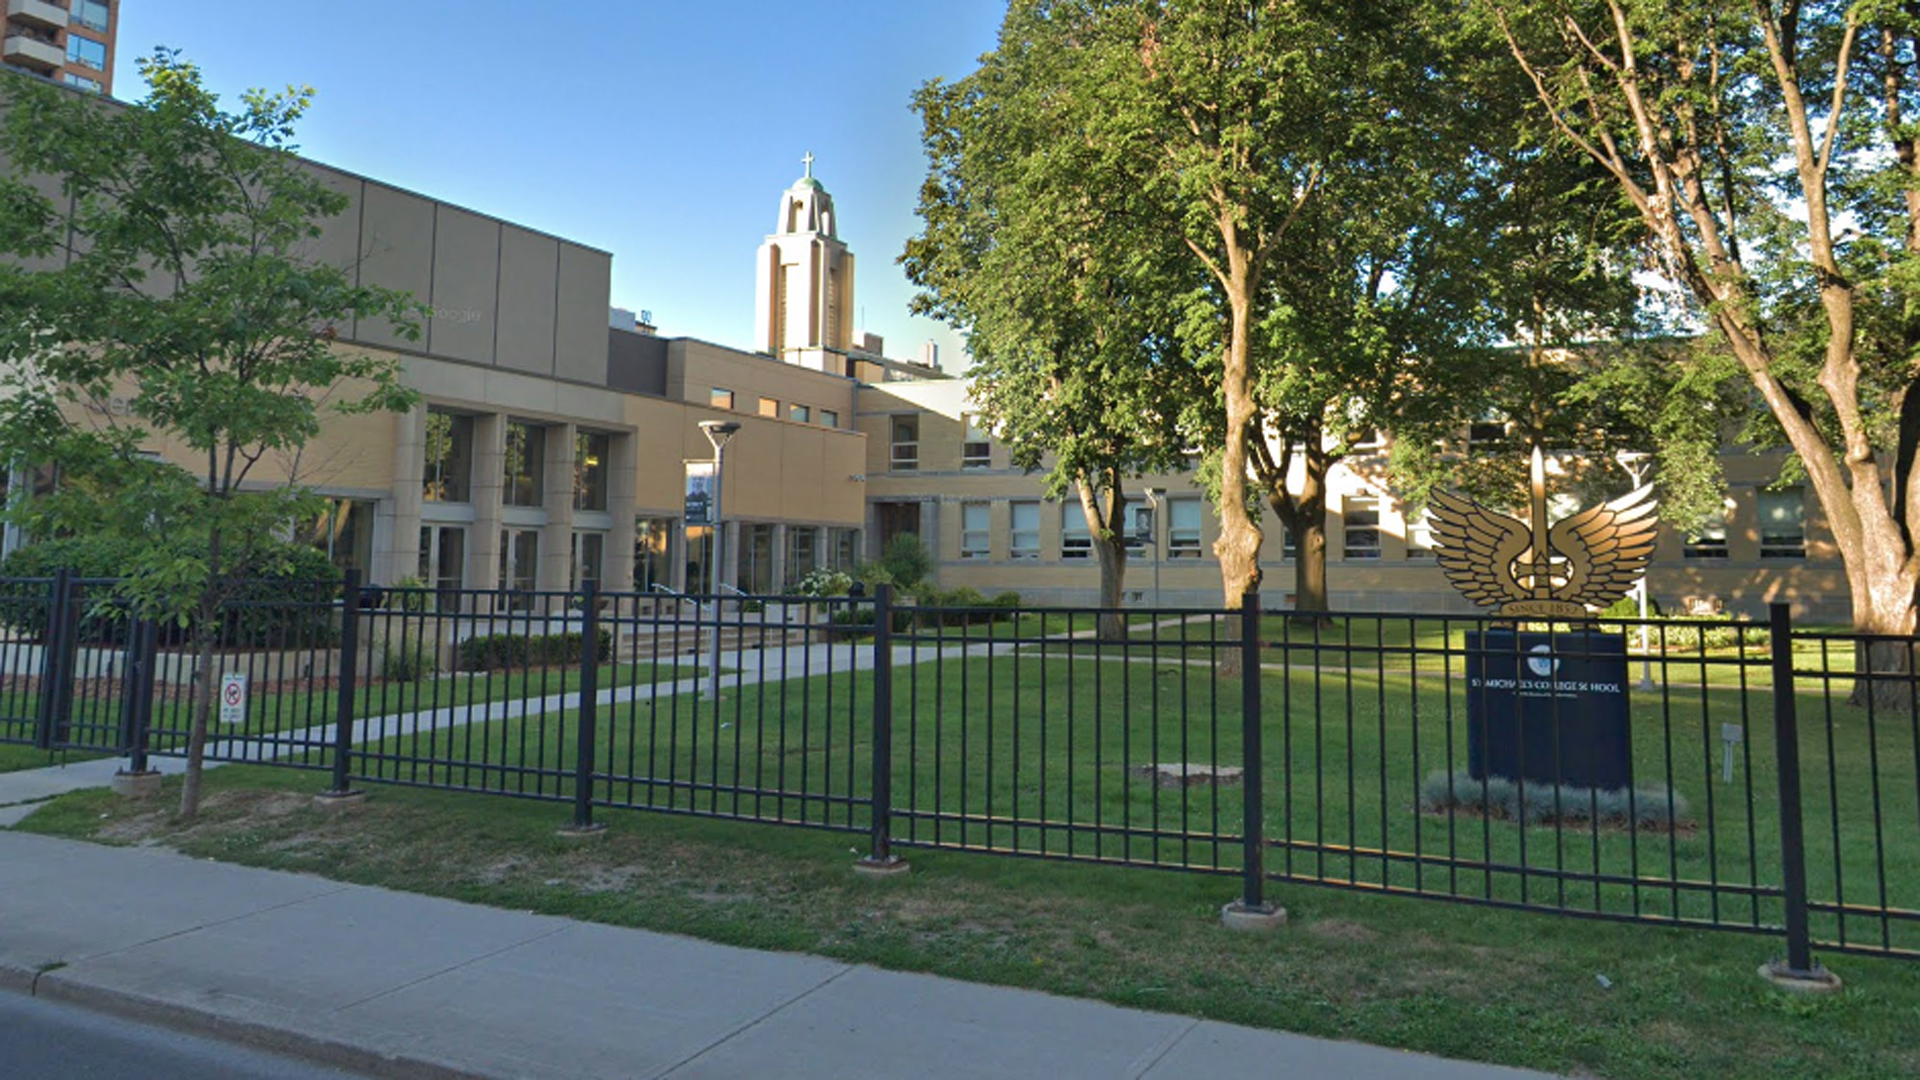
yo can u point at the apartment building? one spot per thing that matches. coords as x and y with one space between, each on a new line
68 41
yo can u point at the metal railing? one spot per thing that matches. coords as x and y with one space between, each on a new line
1768 781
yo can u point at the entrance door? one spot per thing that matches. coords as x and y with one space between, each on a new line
896 519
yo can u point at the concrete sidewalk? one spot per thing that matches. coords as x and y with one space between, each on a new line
399 985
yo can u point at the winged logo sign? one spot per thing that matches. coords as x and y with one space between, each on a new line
1531 568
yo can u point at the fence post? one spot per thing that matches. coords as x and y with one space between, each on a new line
55 673
586 715
1251 911
341 790
1798 971
136 712
880 859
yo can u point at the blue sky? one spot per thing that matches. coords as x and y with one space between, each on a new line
662 132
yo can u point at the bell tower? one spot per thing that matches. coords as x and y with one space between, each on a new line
804 298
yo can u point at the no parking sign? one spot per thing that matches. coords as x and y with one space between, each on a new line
233 698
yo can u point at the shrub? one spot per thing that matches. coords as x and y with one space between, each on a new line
1646 807
490 652
824 583
286 601
904 563
404 660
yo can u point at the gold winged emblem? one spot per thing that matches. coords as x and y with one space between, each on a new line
1588 560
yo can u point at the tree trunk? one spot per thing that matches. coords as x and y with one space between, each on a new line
1110 548
205 636
1885 605
1238 547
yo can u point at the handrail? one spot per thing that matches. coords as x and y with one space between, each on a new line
659 588
735 590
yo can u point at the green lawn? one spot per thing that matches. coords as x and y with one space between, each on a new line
1474 983
18 758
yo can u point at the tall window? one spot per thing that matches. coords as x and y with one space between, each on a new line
976 452
85 50
448 476
344 531
803 553
755 565
526 461
589 557
974 531
1419 535
652 553
443 562
592 452
906 443
1075 541
1783 524
1183 528
770 407
843 548
1023 535
720 398
1710 540
1361 515
519 563
91 14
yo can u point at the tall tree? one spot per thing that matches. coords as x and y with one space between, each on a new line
1034 246
173 276
1772 154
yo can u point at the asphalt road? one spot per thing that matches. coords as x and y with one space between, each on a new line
44 1040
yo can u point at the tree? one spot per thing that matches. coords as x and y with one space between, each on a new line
1772 155
181 291
1034 247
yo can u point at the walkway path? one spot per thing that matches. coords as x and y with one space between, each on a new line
395 984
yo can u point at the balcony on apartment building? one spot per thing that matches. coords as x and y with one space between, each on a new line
32 50
45 14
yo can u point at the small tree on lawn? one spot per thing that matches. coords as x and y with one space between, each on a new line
172 277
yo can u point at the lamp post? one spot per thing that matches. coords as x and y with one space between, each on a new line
718 432
1154 495
1637 463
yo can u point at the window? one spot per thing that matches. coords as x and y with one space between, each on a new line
344 532
754 569
699 556
1361 516
1486 435
652 553
975 451
906 444
519 564
974 530
829 418
803 553
82 82
1710 541
1419 535
1075 541
721 398
770 407
525 463
1783 524
85 50
91 14
1183 528
589 557
448 475
1023 538
443 563
843 548
592 452
800 414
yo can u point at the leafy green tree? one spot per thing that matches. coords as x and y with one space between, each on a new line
1771 153
1035 246
167 298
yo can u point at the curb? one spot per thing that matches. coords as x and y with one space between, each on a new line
316 1049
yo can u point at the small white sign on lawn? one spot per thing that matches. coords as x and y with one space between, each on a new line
233 698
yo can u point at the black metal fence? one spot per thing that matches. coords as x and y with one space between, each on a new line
1771 774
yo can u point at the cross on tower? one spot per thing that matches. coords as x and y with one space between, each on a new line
808 161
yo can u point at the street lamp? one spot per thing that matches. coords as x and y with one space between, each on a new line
1637 463
1154 496
718 432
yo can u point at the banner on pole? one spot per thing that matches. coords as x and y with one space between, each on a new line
699 509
